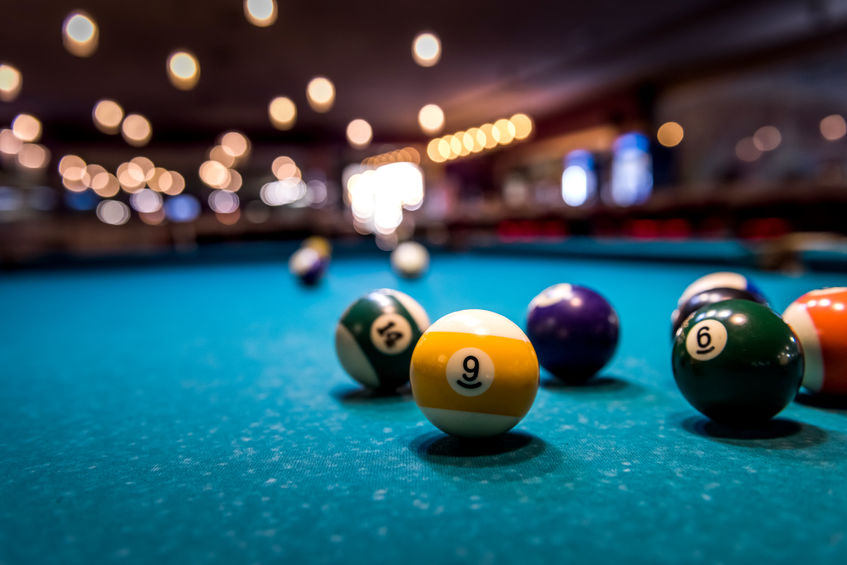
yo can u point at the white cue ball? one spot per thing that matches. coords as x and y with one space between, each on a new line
410 259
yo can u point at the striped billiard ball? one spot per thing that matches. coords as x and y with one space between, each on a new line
474 374
376 335
710 297
820 321
720 280
737 362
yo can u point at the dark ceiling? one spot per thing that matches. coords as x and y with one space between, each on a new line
532 56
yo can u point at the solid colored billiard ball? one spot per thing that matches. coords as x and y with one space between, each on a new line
737 362
819 319
474 374
410 259
376 335
710 297
574 331
720 280
307 265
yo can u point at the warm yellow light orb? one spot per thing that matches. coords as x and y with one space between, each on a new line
321 94
260 13
282 112
431 118
107 115
670 134
183 69
426 49
10 82
359 133
80 34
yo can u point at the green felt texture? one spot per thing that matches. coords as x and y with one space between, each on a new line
199 415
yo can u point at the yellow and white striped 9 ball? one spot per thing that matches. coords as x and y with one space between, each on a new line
474 374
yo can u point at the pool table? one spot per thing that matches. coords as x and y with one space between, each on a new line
195 412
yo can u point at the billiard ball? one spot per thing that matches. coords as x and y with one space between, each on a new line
319 244
574 331
410 259
474 374
737 362
819 319
307 265
720 280
710 297
376 335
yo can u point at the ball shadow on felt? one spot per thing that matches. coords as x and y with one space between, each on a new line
352 395
513 456
601 384
779 433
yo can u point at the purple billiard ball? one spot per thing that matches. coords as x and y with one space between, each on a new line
574 331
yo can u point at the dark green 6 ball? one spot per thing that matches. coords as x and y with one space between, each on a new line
737 362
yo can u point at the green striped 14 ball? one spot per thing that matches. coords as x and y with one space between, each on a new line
376 335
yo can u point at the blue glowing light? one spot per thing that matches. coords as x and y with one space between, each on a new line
182 208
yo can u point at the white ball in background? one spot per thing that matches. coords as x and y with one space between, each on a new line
410 259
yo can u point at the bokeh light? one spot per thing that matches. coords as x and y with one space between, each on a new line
359 133
282 112
113 212
282 192
833 127
182 208
71 166
26 127
136 130
670 134
9 142
506 130
767 138
579 178
214 174
431 118
130 176
142 167
522 125
177 184
152 218
11 82
426 49
236 144
320 93
234 182
219 154
107 115
146 201
223 202
80 34
284 167
183 69
89 172
105 185
260 13
33 156
433 152
746 150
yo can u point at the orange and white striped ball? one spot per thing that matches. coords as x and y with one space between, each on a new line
474 374
819 318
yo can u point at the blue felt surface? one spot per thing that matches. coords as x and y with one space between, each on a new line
198 415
